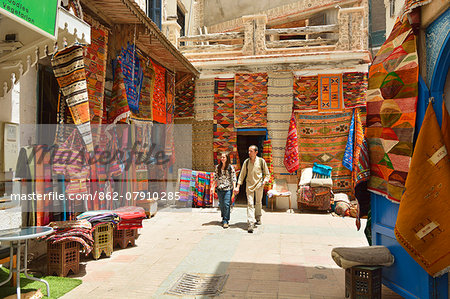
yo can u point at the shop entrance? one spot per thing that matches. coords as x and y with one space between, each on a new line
245 138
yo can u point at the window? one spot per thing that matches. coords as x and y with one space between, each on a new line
154 11
181 20
392 8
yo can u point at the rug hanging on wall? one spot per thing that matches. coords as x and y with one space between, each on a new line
184 100
355 89
146 96
267 156
225 137
391 111
306 93
322 138
204 99
330 93
159 94
95 57
170 110
250 100
132 75
68 67
291 162
279 110
202 145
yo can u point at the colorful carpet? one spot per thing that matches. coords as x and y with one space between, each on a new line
330 93
170 110
306 93
145 100
204 99
279 110
119 110
159 94
391 111
250 100
225 137
68 67
267 156
355 89
132 75
322 138
202 145
184 100
95 57
291 153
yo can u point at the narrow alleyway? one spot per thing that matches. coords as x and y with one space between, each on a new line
287 257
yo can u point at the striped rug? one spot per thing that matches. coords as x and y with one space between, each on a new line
204 99
202 145
279 109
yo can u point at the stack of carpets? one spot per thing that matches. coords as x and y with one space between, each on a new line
130 217
76 230
99 217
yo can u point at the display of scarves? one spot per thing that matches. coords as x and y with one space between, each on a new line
267 156
291 155
185 179
159 94
119 109
68 67
423 216
95 57
330 93
132 75
250 100
348 154
391 111
200 190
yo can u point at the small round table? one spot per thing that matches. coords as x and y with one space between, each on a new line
18 239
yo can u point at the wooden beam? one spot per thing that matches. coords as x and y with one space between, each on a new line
299 43
210 47
212 37
304 30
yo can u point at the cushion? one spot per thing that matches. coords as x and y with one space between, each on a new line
328 182
347 257
306 177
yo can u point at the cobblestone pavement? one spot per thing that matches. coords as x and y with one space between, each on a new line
288 256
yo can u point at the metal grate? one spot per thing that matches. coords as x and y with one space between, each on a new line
198 284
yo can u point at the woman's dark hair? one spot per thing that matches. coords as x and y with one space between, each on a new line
227 163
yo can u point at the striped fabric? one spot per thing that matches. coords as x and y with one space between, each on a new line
204 99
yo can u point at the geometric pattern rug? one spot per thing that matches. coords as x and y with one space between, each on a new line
391 111
279 110
355 89
250 100
204 99
184 100
305 92
330 93
322 138
202 145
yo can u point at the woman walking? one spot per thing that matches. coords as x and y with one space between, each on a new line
225 177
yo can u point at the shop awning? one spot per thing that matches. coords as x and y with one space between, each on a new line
19 55
128 12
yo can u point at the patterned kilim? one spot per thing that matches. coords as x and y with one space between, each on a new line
355 89
291 152
391 111
250 100
68 67
225 137
322 138
145 100
359 139
267 156
170 103
132 75
306 93
119 109
330 93
279 110
159 94
204 99
202 145
411 4
348 154
95 62
184 100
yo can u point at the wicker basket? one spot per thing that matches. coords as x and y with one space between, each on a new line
63 257
123 237
103 240
363 282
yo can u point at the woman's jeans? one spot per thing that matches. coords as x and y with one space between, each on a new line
225 202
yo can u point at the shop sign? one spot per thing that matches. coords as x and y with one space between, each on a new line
37 15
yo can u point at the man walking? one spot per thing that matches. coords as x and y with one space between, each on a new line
256 175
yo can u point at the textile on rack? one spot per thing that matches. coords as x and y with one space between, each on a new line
95 57
159 94
204 99
291 154
347 161
202 145
25 170
267 156
68 67
130 217
185 180
132 75
359 139
306 93
330 93
76 230
201 198
225 137
184 100
119 109
355 89
145 99
322 138
250 100
422 219
279 110
98 217
391 111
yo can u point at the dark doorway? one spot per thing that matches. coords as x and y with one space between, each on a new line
244 140
47 104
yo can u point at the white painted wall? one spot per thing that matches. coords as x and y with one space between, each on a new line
390 21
